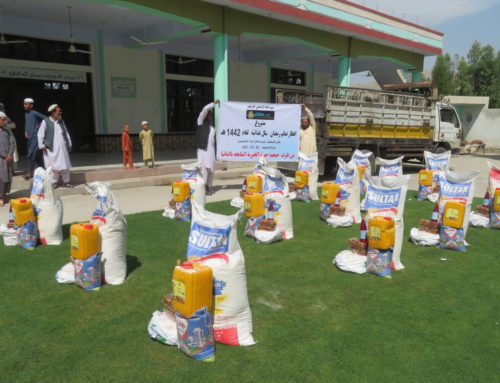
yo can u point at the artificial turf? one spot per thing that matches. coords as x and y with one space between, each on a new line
434 321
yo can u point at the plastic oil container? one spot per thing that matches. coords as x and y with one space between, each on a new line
192 288
496 200
23 211
453 215
181 191
84 239
425 177
329 192
301 179
254 184
361 171
381 232
254 205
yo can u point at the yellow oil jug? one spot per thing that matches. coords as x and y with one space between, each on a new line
254 184
425 177
329 192
192 288
453 215
254 205
84 239
23 211
301 179
496 200
381 232
361 171
181 191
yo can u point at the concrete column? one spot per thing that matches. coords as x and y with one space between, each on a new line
416 76
344 71
221 67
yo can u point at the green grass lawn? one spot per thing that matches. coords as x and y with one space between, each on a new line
434 321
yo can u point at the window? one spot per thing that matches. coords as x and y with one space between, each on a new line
288 77
448 115
189 66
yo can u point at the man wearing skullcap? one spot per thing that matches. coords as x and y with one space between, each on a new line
148 150
205 144
11 125
7 145
307 142
32 121
55 142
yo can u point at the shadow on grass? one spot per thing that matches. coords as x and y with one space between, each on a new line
65 231
132 264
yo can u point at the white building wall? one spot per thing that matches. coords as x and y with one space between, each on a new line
248 82
144 67
486 127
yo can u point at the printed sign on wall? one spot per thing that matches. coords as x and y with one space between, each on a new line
247 131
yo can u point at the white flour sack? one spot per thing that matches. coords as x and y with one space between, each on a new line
192 174
459 187
282 213
274 182
391 168
362 160
493 185
48 208
309 163
259 167
436 162
113 230
386 196
348 179
213 242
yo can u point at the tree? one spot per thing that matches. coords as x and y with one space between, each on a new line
463 79
442 74
494 91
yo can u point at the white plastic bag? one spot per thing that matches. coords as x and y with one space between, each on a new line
339 221
213 242
423 238
391 168
192 174
113 230
386 196
9 236
348 260
265 236
348 179
237 202
48 208
169 213
163 328
478 220
66 274
309 163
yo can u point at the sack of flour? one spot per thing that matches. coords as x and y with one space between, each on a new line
113 230
348 179
385 196
274 182
213 242
391 168
362 160
192 174
48 208
309 163
278 211
494 191
436 162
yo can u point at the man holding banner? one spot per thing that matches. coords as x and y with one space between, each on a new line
307 143
205 144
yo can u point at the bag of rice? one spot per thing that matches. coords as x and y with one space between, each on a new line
391 168
113 229
387 196
456 188
348 179
309 163
436 162
213 242
26 235
494 191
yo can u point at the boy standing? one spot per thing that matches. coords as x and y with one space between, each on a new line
127 149
148 150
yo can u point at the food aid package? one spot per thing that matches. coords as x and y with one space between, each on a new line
251 225
436 162
391 168
274 182
66 274
195 335
213 242
192 174
113 229
348 179
182 210
163 328
455 188
27 235
48 208
88 272
494 191
309 163
379 262
277 222
423 238
362 161
9 235
259 168
348 260
386 197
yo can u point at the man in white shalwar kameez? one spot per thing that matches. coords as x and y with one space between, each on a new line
205 144
55 142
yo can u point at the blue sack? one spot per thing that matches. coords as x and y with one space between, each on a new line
195 336
379 262
451 238
27 235
303 194
88 272
183 210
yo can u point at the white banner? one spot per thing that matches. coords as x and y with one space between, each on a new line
247 131
42 74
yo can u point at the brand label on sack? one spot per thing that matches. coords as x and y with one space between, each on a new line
344 177
306 165
389 170
205 240
38 185
362 160
436 163
382 198
190 175
274 184
452 189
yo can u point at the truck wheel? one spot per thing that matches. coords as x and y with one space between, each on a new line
330 166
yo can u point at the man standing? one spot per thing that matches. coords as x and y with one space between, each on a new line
33 119
148 150
7 145
11 125
54 140
205 144
307 143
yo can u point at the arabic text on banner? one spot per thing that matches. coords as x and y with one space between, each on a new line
248 131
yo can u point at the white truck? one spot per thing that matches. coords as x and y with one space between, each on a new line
388 123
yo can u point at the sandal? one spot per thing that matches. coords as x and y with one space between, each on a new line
55 186
68 185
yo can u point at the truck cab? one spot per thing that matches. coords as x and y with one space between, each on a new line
448 130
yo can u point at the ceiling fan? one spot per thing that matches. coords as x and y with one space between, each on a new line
4 41
180 61
72 48
145 43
